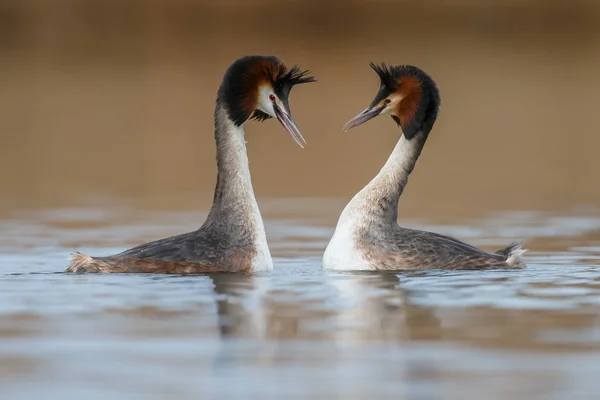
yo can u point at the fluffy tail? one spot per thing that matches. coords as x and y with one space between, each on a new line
513 254
82 263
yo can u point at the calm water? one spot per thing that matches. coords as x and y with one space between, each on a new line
298 332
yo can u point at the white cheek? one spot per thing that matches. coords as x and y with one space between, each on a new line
392 105
264 103
389 109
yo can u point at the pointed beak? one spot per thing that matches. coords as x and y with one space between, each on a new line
289 124
363 117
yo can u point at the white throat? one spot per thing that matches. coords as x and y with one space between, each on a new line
364 212
233 165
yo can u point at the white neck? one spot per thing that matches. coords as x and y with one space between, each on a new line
374 207
232 159
234 206
379 199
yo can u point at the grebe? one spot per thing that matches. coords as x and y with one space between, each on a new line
367 235
233 236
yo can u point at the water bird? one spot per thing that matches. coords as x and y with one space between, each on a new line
367 235
233 236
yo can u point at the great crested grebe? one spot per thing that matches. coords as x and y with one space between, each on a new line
367 235
233 236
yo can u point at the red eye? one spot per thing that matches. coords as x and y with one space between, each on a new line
387 101
271 97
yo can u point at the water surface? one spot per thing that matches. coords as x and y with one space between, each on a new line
299 331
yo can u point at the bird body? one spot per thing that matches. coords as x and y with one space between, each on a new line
233 237
367 235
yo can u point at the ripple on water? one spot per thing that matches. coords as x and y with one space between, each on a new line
313 333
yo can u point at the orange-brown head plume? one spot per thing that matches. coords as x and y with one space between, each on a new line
239 91
408 94
258 87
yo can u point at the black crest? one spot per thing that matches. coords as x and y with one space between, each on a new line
387 74
389 83
282 86
286 79
238 90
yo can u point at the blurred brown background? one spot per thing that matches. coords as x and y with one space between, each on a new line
115 98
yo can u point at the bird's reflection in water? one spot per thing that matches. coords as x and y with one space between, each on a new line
353 306
340 324
349 329
374 307
240 305
344 322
